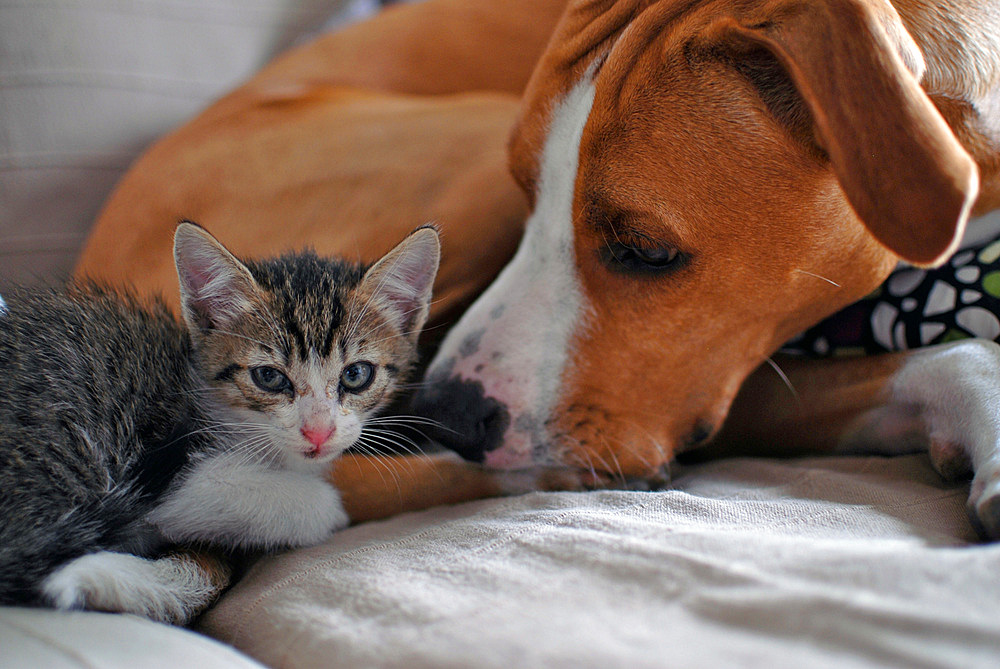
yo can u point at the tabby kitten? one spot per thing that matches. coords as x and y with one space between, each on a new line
123 432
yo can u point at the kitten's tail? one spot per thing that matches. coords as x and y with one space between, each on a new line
67 565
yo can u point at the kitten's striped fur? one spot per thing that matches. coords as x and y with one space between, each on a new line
123 432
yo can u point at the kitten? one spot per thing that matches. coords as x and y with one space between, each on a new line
123 432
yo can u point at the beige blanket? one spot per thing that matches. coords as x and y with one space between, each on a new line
860 562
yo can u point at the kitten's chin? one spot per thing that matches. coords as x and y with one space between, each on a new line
313 458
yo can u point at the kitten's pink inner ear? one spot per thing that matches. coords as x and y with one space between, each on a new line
402 280
215 286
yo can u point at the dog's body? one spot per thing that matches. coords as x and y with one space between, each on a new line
703 181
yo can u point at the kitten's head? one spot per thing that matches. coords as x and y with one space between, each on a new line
301 350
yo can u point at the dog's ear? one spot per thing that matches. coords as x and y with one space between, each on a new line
856 70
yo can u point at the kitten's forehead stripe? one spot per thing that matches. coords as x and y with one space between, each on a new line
312 290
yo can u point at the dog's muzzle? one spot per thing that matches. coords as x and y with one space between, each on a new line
467 421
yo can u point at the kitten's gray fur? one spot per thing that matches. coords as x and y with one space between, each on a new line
123 432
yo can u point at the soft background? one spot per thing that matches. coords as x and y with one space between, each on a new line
85 85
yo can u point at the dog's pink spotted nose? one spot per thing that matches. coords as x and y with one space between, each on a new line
317 436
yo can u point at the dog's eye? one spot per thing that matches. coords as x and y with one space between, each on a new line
634 258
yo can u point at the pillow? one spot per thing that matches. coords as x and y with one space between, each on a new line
85 86
32 638
839 562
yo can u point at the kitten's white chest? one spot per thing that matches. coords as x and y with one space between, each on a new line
224 500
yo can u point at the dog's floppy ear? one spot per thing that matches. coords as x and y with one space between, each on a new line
903 171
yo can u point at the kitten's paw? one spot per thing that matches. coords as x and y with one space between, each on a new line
323 515
169 590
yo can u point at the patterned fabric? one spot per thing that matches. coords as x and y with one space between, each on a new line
914 308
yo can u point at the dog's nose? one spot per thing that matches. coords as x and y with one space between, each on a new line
468 422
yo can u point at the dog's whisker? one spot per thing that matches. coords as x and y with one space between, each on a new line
784 377
818 276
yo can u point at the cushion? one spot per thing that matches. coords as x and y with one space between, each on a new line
33 638
841 562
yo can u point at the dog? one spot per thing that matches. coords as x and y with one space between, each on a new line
701 180
706 180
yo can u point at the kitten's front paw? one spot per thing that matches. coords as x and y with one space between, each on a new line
323 515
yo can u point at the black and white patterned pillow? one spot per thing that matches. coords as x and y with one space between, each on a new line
914 308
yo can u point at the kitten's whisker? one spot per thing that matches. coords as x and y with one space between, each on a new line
388 439
618 466
405 419
367 450
822 278
377 443
415 385
262 452
395 427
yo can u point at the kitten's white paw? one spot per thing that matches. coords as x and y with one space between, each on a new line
239 505
168 590
321 516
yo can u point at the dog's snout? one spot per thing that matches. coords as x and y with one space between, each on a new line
699 434
467 421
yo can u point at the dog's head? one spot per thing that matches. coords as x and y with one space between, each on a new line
706 180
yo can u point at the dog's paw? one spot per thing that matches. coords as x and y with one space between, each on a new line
984 500
569 479
957 389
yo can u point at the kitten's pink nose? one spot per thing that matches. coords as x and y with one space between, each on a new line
317 436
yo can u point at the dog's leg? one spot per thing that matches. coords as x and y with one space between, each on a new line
375 487
379 487
942 399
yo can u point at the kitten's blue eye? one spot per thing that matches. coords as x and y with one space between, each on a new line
357 376
270 379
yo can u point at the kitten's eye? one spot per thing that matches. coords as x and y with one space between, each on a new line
357 376
270 379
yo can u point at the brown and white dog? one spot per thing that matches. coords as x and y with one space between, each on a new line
703 179
706 180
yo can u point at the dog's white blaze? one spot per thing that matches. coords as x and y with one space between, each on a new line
515 338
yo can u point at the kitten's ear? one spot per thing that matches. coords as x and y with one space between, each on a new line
402 280
216 288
